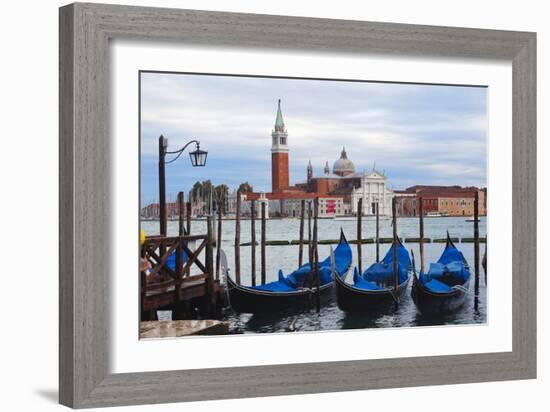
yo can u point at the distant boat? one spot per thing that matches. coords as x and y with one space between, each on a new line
437 214
344 218
290 292
471 219
373 217
354 218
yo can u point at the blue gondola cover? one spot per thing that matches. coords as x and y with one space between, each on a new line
437 286
450 270
280 285
301 277
382 272
171 261
361 283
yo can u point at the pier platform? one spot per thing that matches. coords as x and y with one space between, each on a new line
158 329
177 275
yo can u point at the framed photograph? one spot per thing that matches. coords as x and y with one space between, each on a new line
296 202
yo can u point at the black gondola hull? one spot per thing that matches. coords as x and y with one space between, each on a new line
247 300
243 299
429 303
354 300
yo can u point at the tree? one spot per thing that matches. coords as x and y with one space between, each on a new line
201 192
245 188
220 194
207 186
197 188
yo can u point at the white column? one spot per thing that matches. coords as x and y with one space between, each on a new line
383 197
363 194
367 191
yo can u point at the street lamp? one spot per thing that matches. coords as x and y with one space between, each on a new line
198 159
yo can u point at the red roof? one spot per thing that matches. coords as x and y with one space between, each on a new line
417 188
446 193
427 191
288 195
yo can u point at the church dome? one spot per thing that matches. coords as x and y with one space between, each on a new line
343 166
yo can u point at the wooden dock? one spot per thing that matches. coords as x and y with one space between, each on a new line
191 279
180 328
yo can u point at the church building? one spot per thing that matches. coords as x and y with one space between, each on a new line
338 190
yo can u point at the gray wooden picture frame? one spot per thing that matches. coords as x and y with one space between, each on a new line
85 32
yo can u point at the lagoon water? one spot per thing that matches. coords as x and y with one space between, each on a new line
330 317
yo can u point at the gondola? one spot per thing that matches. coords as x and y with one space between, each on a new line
292 292
445 287
374 290
171 260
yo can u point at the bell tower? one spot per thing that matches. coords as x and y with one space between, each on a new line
309 171
279 154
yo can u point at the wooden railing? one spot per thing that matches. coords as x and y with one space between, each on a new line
165 285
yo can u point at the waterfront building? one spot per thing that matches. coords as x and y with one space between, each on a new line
152 210
405 203
329 206
440 200
231 205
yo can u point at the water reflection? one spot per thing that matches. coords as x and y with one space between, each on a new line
332 318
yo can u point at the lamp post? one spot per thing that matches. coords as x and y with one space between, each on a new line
198 159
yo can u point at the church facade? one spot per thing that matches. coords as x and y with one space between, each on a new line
373 191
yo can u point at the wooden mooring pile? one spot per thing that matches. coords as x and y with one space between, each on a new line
311 208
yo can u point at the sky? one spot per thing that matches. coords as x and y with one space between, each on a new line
416 134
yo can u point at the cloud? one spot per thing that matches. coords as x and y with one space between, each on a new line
420 134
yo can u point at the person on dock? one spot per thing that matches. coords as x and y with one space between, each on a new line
145 265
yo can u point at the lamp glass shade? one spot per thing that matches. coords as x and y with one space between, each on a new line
198 158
